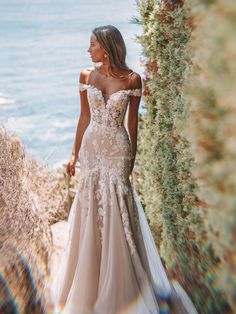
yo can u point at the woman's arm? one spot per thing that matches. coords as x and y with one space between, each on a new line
84 118
82 124
132 124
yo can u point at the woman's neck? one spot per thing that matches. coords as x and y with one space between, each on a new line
104 69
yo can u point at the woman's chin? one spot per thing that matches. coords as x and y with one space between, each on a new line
96 60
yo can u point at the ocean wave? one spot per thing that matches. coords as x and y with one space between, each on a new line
6 100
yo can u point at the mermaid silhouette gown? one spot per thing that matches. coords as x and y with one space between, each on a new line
110 264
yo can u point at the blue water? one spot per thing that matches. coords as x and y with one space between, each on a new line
43 48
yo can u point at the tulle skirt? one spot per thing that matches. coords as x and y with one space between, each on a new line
110 264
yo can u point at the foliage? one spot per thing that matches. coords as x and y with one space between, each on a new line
167 184
212 119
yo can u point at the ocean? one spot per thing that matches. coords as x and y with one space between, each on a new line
43 48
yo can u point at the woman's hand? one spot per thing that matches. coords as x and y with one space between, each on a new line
70 168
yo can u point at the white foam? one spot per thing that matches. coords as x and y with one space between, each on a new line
6 100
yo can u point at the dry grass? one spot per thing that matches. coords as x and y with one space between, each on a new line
32 197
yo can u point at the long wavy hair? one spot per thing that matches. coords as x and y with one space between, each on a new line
111 40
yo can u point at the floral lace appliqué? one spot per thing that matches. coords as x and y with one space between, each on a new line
110 113
105 156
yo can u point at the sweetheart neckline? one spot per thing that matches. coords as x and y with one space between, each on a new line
112 94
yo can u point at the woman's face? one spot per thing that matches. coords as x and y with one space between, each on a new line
95 50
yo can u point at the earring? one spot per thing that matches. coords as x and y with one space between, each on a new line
105 55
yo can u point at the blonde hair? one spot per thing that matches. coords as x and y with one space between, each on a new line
111 40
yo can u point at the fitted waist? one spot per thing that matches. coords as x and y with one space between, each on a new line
101 125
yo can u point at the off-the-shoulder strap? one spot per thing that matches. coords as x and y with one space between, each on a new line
83 86
135 92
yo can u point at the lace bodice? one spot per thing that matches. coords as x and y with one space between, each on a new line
112 111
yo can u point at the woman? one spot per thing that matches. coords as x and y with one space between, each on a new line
110 264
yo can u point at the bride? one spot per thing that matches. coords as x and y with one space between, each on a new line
110 264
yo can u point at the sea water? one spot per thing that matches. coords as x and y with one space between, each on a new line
43 48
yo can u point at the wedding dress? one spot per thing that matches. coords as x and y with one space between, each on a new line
110 264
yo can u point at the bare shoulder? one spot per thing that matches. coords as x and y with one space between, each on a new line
84 75
135 81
